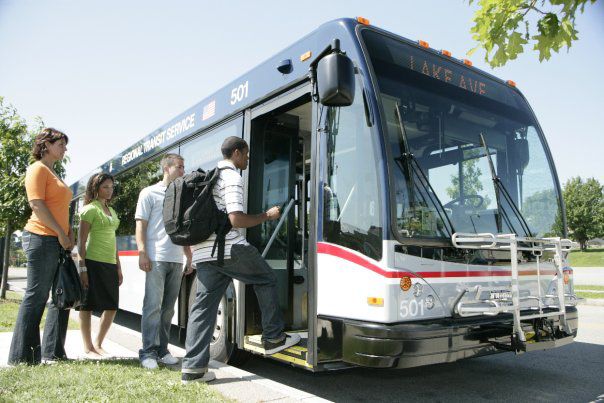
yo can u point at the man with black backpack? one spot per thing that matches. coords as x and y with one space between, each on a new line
241 261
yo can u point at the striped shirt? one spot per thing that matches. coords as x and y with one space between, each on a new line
228 195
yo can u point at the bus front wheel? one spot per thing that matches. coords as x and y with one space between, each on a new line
222 349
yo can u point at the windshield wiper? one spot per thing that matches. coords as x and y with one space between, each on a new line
409 161
500 189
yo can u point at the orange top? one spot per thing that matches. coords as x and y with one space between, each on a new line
42 184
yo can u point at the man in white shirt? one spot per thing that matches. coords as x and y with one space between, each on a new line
241 261
163 263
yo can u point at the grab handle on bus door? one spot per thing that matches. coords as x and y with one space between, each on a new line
283 215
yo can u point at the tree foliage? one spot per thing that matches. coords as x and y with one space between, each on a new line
128 186
15 148
584 209
502 29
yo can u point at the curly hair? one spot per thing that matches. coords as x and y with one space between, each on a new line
94 183
50 135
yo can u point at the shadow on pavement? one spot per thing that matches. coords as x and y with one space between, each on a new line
571 373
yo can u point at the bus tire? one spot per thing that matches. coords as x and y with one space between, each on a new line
222 349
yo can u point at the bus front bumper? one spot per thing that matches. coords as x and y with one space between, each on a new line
447 340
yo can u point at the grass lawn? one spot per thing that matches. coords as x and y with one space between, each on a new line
589 287
99 381
590 258
8 314
591 295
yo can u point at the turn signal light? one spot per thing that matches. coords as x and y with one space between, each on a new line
511 83
305 56
362 20
423 44
375 301
467 62
445 53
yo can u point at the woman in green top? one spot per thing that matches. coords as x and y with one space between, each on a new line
100 271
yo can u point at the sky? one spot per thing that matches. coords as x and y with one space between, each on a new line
108 73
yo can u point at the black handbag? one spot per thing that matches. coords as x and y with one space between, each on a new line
66 287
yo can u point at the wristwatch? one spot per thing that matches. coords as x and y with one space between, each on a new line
83 269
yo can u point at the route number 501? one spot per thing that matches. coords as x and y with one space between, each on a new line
239 93
411 308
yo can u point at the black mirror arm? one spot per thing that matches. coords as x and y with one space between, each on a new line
312 68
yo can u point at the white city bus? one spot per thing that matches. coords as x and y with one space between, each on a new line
427 223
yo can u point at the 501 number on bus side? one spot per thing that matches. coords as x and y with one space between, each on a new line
239 93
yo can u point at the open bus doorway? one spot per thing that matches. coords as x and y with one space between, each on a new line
280 172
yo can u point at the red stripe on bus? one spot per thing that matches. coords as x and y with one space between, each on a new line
336 251
127 253
333 250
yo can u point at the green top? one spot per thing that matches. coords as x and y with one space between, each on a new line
100 245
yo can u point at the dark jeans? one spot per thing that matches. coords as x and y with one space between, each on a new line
245 265
42 260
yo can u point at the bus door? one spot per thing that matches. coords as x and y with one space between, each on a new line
279 172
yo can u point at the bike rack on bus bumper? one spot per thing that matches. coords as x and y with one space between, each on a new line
492 307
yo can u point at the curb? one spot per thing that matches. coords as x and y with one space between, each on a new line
126 338
592 302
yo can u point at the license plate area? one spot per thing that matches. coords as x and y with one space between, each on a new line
500 294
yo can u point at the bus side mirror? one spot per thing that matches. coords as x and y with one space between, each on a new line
335 80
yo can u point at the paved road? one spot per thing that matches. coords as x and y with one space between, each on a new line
588 275
574 373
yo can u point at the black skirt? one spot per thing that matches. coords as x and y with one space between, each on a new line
103 287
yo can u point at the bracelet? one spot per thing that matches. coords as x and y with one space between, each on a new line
83 269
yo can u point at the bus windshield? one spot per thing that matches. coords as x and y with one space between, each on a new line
436 113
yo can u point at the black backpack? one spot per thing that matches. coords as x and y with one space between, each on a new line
190 212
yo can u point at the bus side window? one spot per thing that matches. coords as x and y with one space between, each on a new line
128 186
204 151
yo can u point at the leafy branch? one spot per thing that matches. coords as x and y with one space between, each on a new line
497 27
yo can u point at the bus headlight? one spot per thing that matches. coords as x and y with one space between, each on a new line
417 289
429 301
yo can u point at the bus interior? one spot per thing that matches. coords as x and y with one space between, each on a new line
279 171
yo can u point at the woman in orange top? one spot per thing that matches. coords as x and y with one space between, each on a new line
45 233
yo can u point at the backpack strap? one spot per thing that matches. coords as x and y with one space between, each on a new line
224 229
220 241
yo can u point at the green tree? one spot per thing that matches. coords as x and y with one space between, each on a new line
501 27
584 209
15 147
128 186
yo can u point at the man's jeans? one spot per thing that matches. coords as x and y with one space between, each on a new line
245 265
162 285
42 253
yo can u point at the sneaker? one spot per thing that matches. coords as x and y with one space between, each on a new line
288 340
168 359
149 363
200 377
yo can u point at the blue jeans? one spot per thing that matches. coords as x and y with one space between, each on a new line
42 253
245 265
162 285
